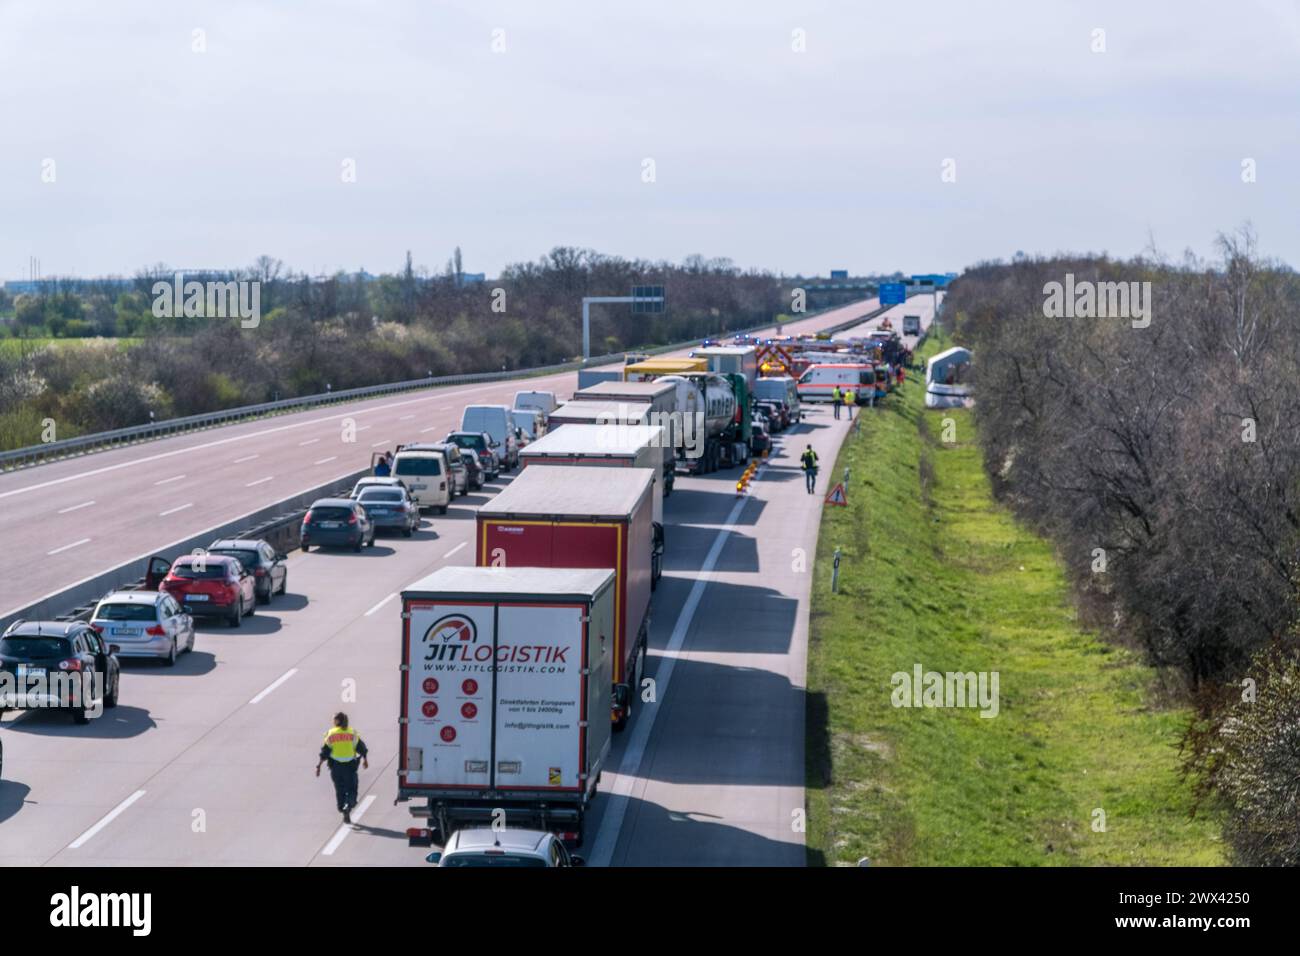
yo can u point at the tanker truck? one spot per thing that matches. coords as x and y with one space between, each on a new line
716 420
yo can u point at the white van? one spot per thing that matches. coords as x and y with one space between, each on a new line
819 381
542 401
780 388
496 421
427 476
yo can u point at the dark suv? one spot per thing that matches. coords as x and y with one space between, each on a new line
480 445
34 652
339 523
263 562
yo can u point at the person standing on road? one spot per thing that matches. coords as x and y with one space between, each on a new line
343 746
382 468
850 399
809 461
836 398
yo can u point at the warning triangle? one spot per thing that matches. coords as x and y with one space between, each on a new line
838 496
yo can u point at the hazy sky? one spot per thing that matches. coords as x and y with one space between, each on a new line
794 161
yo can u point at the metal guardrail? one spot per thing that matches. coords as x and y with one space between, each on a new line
104 441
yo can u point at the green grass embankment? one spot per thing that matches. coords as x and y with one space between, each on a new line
935 572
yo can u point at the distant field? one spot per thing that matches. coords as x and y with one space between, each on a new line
14 347
1080 764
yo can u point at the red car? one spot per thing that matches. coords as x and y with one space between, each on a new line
212 585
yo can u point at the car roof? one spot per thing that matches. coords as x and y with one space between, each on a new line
482 838
210 558
132 597
333 503
382 480
44 628
236 543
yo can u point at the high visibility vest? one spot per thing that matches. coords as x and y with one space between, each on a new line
836 394
809 459
849 397
342 742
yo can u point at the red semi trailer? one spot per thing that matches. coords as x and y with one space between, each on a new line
566 516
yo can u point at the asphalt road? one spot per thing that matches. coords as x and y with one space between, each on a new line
210 763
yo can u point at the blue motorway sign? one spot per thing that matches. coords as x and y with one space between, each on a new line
892 293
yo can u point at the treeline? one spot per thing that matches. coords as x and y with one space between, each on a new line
1164 461
344 331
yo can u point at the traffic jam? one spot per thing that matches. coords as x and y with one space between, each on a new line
515 672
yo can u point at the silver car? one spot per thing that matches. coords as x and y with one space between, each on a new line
144 624
484 846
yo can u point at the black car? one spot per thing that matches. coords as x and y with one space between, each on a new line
270 574
478 444
390 508
337 522
44 660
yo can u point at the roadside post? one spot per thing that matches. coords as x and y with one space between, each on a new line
835 573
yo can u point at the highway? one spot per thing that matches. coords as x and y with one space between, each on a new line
210 763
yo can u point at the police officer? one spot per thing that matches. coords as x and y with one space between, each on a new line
342 747
809 461
850 399
836 398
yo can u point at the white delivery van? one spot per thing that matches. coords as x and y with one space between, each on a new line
496 421
426 472
530 421
780 388
819 381
506 676
542 401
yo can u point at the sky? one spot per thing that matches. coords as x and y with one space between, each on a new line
794 137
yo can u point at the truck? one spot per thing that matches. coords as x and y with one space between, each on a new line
911 325
651 369
732 359
624 446
504 684
660 396
599 413
559 517
591 376
717 410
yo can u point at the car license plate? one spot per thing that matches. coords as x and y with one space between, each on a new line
26 670
379 511
418 487
127 632
196 597
331 524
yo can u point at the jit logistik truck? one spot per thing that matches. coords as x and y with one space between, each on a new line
620 446
573 516
505 685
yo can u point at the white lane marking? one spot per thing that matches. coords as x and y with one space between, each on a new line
309 441
445 408
324 460
381 604
106 820
455 549
172 511
406 418
239 461
167 481
362 428
84 504
259 481
278 681
378 443
617 800
431 428
67 546
344 829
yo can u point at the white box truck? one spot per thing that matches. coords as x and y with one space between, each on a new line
504 710
619 446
